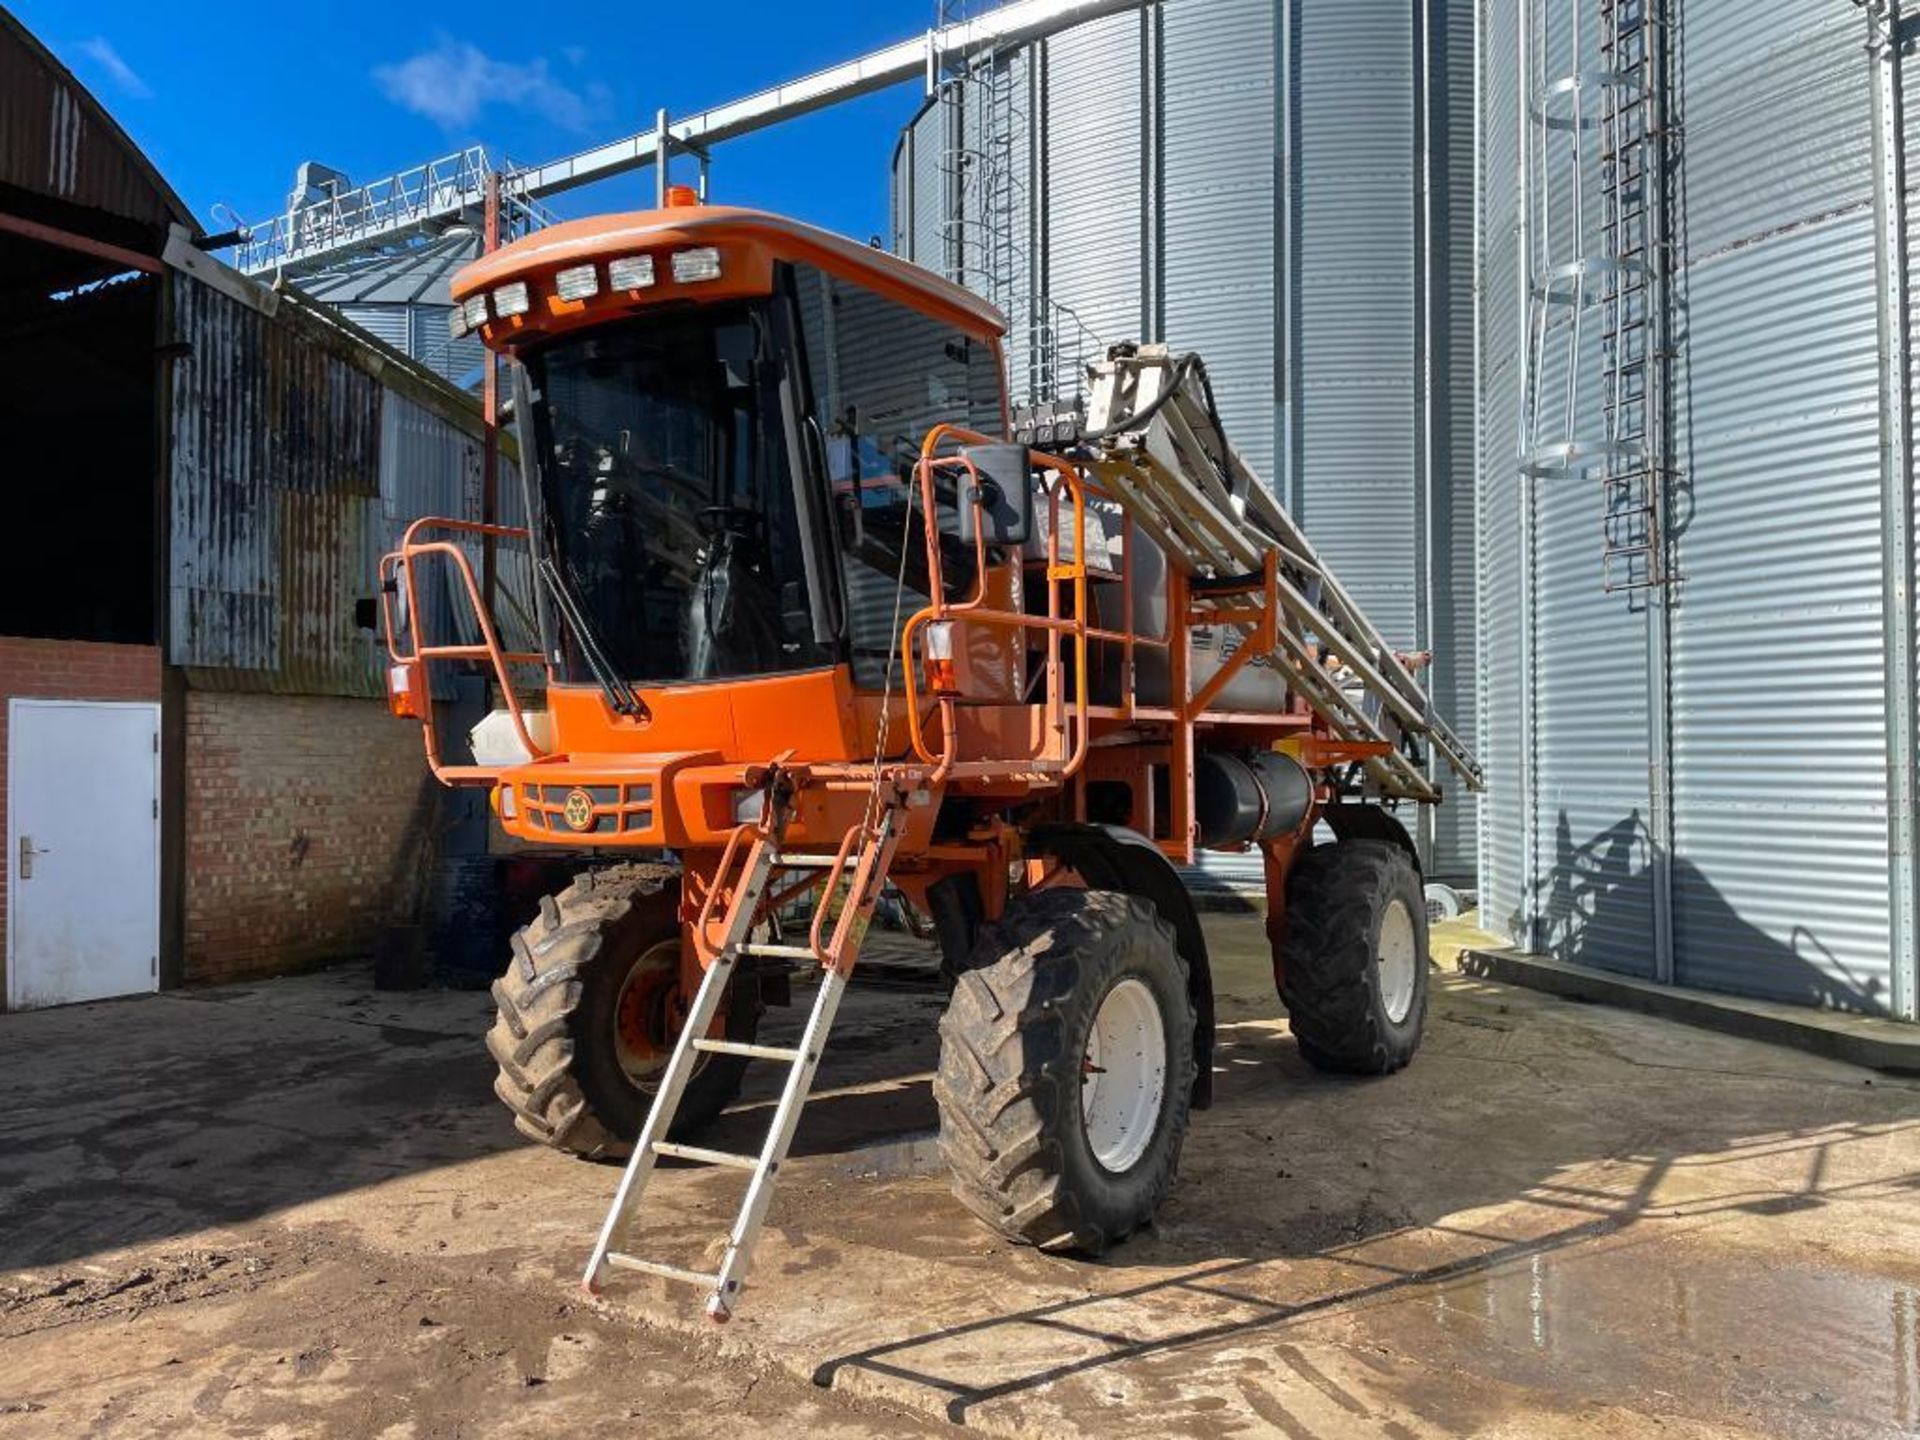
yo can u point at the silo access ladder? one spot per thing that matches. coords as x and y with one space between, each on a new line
862 862
1158 448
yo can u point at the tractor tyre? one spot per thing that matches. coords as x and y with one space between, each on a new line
1068 992
589 1009
1353 973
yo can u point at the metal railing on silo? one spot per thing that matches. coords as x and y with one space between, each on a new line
1598 140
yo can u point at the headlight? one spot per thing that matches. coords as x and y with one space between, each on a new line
582 282
510 300
476 311
692 265
630 272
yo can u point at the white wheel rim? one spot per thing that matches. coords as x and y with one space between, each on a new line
1124 1076
1398 962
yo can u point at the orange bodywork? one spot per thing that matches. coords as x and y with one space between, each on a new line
749 243
1011 724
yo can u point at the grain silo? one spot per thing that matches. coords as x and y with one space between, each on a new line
1277 185
404 300
1697 494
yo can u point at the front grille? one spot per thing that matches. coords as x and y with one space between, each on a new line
617 809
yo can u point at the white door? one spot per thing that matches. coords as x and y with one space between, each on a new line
83 851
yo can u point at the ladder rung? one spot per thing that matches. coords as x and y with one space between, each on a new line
781 952
704 1156
665 1272
752 1052
805 862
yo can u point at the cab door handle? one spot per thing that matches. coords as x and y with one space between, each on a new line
27 852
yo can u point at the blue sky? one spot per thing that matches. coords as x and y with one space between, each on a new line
228 101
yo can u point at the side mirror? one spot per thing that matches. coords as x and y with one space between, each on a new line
1004 488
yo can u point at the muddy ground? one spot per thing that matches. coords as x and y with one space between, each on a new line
296 1209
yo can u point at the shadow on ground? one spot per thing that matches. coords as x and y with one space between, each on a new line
1553 1201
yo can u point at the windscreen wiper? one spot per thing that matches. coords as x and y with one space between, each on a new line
619 694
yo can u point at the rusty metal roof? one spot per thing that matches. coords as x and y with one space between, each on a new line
59 143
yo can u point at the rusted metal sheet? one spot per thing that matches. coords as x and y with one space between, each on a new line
57 141
299 453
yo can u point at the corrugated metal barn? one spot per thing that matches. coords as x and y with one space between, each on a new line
202 778
1697 495
1284 186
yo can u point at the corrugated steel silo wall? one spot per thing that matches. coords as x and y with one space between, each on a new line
1592 891
292 469
1451 631
1501 517
1780 765
1159 215
1097 215
1777 668
1218 242
391 324
935 143
1356 421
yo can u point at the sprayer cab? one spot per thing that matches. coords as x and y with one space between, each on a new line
720 415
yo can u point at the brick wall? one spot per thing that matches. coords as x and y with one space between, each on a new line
305 822
64 670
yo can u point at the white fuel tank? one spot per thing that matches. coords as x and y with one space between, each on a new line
496 742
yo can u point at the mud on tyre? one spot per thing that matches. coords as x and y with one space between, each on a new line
1353 972
1069 991
586 1011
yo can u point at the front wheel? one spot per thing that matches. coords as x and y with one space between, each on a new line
1066 1067
589 1010
1353 974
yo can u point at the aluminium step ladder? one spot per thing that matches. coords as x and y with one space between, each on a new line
863 860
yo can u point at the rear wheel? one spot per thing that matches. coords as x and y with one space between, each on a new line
1066 1067
1354 972
589 1010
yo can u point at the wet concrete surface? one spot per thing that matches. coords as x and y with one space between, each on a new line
1560 1220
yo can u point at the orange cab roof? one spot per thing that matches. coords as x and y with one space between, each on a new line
605 237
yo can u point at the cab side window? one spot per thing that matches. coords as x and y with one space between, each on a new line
882 376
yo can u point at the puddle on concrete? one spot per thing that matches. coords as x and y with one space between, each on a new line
1795 1347
1661 1328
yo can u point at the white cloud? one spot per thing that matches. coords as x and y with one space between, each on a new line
100 50
455 80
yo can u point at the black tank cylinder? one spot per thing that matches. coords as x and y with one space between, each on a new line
1259 795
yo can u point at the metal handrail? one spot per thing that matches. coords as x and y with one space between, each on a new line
399 564
422 196
974 610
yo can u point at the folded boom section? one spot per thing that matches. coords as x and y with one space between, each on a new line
1159 450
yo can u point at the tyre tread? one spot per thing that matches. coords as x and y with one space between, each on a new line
538 999
999 1087
1328 972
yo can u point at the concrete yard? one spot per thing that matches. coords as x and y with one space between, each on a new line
296 1209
